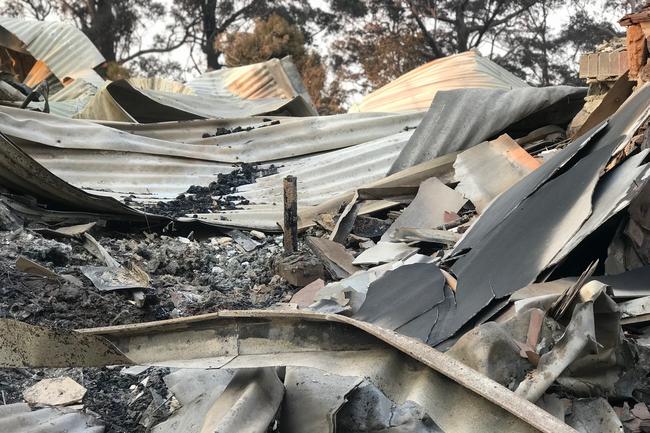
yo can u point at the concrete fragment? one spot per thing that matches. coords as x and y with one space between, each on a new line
60 391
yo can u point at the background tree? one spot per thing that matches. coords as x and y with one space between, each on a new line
361 44
209 20
276 38
522 35
37 9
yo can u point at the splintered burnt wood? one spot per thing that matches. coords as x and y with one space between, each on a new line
290 215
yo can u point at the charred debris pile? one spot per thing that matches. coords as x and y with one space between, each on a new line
452 256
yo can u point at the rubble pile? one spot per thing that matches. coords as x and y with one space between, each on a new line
186 277
186 257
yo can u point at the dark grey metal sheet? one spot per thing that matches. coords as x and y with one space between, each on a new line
630 284
511 198
459 119
403 294
518 247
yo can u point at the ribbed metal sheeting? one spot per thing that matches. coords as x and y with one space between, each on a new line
20 418
65 50
415 89
96 157
271 79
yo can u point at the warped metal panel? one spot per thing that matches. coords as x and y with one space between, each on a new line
323 176
271 79
288 139
65 50
122 174
415 89
148 105
458 398
19 418
462 118
20 173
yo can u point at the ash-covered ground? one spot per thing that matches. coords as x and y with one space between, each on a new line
187 277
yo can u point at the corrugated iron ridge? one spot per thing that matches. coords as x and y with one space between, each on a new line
93 156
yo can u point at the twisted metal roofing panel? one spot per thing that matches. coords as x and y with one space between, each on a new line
415 89
65 50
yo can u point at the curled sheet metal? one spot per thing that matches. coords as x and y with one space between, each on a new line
20 418
149 105
457 398
21 174
313 398
62 47
262 88
288 139
246 401
415 89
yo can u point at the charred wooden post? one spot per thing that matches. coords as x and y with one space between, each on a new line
290 215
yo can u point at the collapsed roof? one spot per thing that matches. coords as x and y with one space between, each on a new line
453 212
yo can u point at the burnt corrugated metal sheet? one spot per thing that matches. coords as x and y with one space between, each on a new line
65 50
19 173
271 79
416 89
97 157
20 418
456 397
123 100
460 119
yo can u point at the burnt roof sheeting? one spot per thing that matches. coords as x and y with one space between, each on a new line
429 209
271 79
459 119
147 105
313 398
514 248
630 284
65 50
457 398
613 194
512 197
415 89
290 138
20 173
19 418
402 295
475 169
357 148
